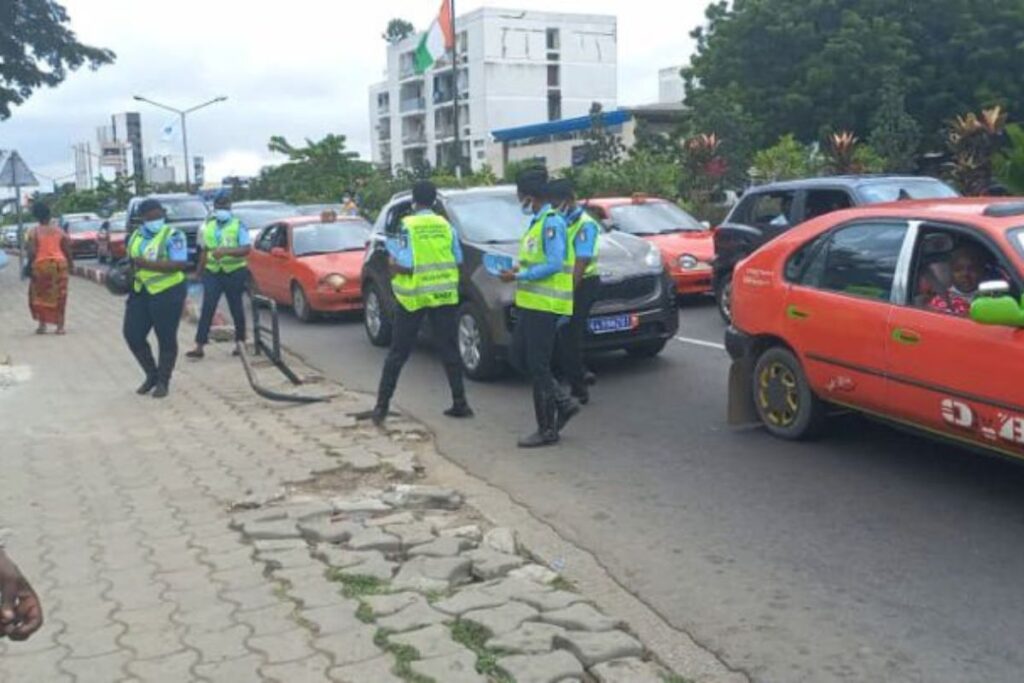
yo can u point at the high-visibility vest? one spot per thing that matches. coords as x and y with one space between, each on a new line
574 231
228 240
434 280
554 293
155 250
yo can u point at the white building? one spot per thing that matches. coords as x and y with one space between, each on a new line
515 67
671 86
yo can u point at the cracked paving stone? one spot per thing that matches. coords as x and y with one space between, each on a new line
429 574
442 547
580 617
475 597
278 545
350 647
329 531
371 563
550 601
405 464
176 667
457 668
231 671
531 638
360 460
489 564
392 519
269 621
376 671
317 593
597 648
375 539
535 573
429 643
418 615
309 669
501 620
271 531
417 497
502 540
386 605
628 671
360 505
414 534
290 646
333 619
556 667
294 559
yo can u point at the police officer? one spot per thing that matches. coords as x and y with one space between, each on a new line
424 261
159 255
544 299
581 233
223 266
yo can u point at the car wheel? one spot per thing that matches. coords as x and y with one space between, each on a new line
723 297
783 398
376 319
648 349
479 360
300 304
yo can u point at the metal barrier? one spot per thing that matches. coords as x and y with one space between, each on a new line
272 351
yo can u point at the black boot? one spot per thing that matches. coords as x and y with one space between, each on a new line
581 394
379 414
162 389
568 408
459 409
146 386
544 408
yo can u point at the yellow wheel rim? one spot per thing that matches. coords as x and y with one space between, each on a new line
778 395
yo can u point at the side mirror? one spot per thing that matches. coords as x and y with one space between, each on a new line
994 288
706 224
1000 310
278 252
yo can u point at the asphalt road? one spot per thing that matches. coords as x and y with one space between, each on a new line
870 555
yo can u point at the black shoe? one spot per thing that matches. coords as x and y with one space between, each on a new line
566 412
589 378
581 394
196 354
161 391
378 416
237 352
459 410
538 440
146 387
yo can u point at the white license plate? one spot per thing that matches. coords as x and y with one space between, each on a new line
612 323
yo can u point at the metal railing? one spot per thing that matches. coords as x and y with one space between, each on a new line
271 348
413 104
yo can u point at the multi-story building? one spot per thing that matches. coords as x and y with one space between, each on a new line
127 129
514 67
671 86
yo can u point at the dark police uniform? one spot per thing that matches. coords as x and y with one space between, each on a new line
583 232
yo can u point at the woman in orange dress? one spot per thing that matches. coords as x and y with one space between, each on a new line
49 252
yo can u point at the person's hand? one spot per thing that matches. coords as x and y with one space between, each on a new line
21 614
217 253
507 275
139 262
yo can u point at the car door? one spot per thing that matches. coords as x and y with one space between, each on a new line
838 307
951 375
267 266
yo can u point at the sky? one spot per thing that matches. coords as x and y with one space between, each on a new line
299 68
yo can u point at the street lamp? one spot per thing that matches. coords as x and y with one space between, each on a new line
184 133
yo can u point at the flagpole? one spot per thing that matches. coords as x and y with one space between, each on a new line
455 86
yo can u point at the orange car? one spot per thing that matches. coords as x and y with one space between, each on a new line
311 263
908 312
687 247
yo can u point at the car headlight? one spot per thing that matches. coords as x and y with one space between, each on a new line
653 257
688 262
334 281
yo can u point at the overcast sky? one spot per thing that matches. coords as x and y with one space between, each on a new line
298 68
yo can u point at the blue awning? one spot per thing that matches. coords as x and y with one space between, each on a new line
536 130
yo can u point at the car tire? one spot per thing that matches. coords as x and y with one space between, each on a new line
783 398
376 318
300 304
476 350
648 349
723 297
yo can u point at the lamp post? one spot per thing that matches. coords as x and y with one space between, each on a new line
184 133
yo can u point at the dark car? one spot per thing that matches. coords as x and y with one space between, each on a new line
635 308
183 211
767 211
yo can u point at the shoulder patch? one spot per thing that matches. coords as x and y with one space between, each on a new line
550 234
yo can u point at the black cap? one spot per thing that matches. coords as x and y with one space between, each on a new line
222 198
424 193
561 190
532 182
148 205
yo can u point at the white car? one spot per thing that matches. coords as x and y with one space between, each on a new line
10 236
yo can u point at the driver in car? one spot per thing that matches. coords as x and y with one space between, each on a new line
967 266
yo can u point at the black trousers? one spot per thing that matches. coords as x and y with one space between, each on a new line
444 323
571 335
533 347
231 285
161 313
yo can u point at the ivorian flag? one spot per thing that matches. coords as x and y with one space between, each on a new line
438 40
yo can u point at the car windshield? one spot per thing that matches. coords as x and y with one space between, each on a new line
256 219
653 218
488 218
189 209
329 238
78 227
117 224
1017 239
895 190
317 209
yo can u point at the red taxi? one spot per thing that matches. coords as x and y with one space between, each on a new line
908 312
84 234
312 263
686 246
110 241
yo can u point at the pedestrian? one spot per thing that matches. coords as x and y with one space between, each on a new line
544 299
49 257
21 613
224 245
424 260
582 232
159 254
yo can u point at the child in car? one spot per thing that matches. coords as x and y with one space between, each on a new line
967 266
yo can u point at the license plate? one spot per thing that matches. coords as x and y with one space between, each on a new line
612 323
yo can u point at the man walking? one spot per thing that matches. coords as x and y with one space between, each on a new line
424 261
544 297
223 266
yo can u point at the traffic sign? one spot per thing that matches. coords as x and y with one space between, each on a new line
15 173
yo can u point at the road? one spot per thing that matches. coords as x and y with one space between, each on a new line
871 555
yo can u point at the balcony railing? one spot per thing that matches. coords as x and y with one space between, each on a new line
443 96
414 138
413 104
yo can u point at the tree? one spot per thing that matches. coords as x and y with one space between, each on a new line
38 49
397 31
786 160
1009 164
602 146
319 172
974 142
895 134
801 65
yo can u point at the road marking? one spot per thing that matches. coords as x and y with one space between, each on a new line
701 342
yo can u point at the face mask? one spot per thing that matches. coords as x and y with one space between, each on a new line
527 208
222 215
154 225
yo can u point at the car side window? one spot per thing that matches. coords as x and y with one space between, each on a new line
396 213
771 210
821 202
799 261
858 260
266 239
948 267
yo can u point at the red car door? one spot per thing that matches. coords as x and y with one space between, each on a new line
956 377
838 307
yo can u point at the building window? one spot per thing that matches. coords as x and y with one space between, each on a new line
554 39
554 76
554 106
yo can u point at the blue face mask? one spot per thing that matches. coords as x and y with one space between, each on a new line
222 215
153 225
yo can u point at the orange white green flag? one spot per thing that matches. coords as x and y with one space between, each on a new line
438 40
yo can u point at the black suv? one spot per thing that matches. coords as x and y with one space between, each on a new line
635 310
183 211
767 211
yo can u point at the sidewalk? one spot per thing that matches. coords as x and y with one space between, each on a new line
217 537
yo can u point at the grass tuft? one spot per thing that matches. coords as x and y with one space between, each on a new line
404 656
563 584
474 636
365 613
357 585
